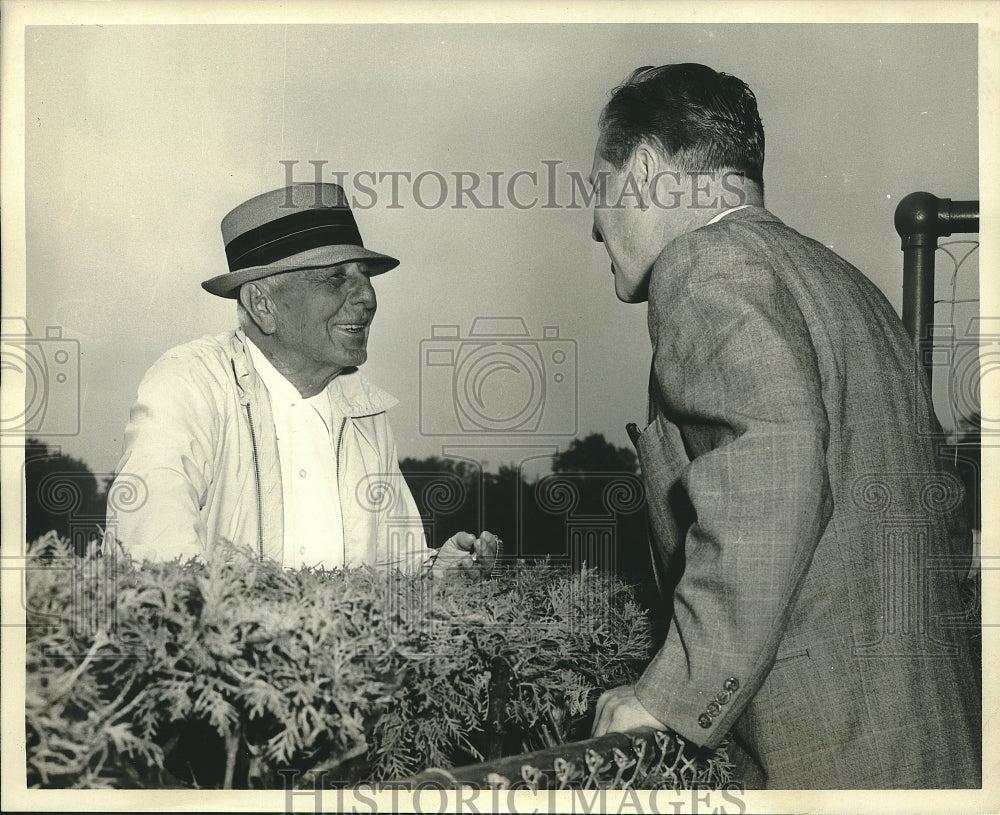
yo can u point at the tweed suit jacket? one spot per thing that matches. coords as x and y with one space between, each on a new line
807 539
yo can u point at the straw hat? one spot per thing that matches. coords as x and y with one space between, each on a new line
303 226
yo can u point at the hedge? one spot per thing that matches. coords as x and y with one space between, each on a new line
223 673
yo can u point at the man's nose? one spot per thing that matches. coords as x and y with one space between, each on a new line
595 233
363 292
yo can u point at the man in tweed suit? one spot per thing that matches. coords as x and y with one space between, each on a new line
808 541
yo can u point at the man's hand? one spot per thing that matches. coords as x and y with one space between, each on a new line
619 710
463 552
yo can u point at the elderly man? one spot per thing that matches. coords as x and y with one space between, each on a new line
808 541
269 436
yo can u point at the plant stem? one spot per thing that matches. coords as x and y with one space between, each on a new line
501 682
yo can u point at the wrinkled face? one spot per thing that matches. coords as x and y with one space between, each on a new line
323 316
618 224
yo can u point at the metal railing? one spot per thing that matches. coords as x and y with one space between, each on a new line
920 219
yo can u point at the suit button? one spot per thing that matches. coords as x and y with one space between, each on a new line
731 684
704 720
723 697
714 708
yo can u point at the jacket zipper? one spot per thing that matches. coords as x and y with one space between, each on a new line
256 473
343 532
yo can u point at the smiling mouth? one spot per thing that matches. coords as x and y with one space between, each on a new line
353 328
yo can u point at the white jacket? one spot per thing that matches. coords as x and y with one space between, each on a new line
201 463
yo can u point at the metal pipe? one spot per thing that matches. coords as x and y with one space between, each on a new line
921 218
916 222
918 293
957 216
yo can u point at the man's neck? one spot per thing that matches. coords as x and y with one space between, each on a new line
306 378
715 198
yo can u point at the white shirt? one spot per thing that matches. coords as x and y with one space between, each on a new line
307 431
725 212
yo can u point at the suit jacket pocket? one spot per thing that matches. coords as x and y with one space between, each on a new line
663 461
789 704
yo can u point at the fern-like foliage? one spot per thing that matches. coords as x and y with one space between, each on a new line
225 673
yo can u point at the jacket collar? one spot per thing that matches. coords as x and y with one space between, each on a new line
749 213
351 392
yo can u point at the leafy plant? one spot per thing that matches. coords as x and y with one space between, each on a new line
225 672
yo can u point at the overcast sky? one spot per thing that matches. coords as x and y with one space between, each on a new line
139 139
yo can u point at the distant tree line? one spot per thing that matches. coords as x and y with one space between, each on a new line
589 509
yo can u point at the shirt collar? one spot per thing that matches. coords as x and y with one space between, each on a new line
726 212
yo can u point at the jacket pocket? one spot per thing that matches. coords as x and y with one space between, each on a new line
661 451
791 700
786 657
663 461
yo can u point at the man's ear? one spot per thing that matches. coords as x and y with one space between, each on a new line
645 167
260 307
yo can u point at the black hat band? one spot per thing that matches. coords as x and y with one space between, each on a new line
298 232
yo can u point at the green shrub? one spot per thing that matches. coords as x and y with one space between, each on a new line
224 673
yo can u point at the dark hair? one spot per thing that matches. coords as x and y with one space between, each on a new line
702 119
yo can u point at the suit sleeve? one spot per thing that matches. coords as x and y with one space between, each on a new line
166 469
737 370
